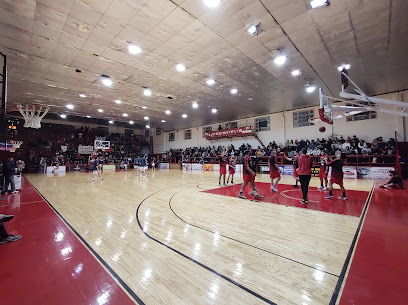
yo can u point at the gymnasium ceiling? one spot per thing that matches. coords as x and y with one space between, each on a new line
47 40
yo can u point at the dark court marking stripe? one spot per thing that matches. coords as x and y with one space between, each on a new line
244 243
100 259
197 262
353 244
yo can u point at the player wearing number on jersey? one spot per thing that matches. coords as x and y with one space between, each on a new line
249 176
231 169
274 171
323 172
95 168
223 168
337 176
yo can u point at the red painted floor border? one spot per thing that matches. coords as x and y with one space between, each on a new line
49 265
379 268
290 196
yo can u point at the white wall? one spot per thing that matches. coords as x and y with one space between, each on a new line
282 129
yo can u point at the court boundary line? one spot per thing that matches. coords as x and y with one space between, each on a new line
195 261
244 243
121 283
347 263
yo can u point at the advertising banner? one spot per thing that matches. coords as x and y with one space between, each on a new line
241 131
59 169
373 172
208 167
350 172
85 150
164 165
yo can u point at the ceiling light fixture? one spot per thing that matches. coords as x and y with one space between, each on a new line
210 82
118 101
317 3
163 121
280 60
63 116
144 107
168 112
212 3
180 67
70 106
147 92
195 105
310 88
343 66
82 95
125 114
146 118
131 122
254 29
133 49
148 126
107 81
88 116
214 110
100 110
234 91
184 115
110 122
296 72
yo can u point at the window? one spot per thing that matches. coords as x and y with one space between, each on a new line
147 132
171 136
187 134
206 129
367 115
263 124
234 125
158 131
301 118
128 132
362 116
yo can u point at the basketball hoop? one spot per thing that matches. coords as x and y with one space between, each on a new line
11 145
32 115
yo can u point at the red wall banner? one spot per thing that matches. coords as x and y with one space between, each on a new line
234 132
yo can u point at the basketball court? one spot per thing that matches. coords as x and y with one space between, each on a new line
176 238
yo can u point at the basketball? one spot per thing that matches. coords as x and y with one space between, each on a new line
322 129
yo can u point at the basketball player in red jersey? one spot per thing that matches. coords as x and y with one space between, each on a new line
295 173
324 169
249 176
336 176
274 171
231 169
223 167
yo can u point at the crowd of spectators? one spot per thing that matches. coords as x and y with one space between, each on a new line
60 146
349 146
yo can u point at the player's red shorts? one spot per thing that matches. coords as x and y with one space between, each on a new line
295 173
231 171
322 174
274 174
249 178
223 170
337 180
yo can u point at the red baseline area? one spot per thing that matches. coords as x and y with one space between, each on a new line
49 265
379 267
289 196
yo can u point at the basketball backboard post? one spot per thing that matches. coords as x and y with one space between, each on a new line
3 80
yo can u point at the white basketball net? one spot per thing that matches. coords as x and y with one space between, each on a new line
32 115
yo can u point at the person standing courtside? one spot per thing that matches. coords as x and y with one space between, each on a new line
304 169
274 171
9 169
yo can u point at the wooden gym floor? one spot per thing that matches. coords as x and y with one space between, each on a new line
176 238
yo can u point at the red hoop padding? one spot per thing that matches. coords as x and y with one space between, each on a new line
324 118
